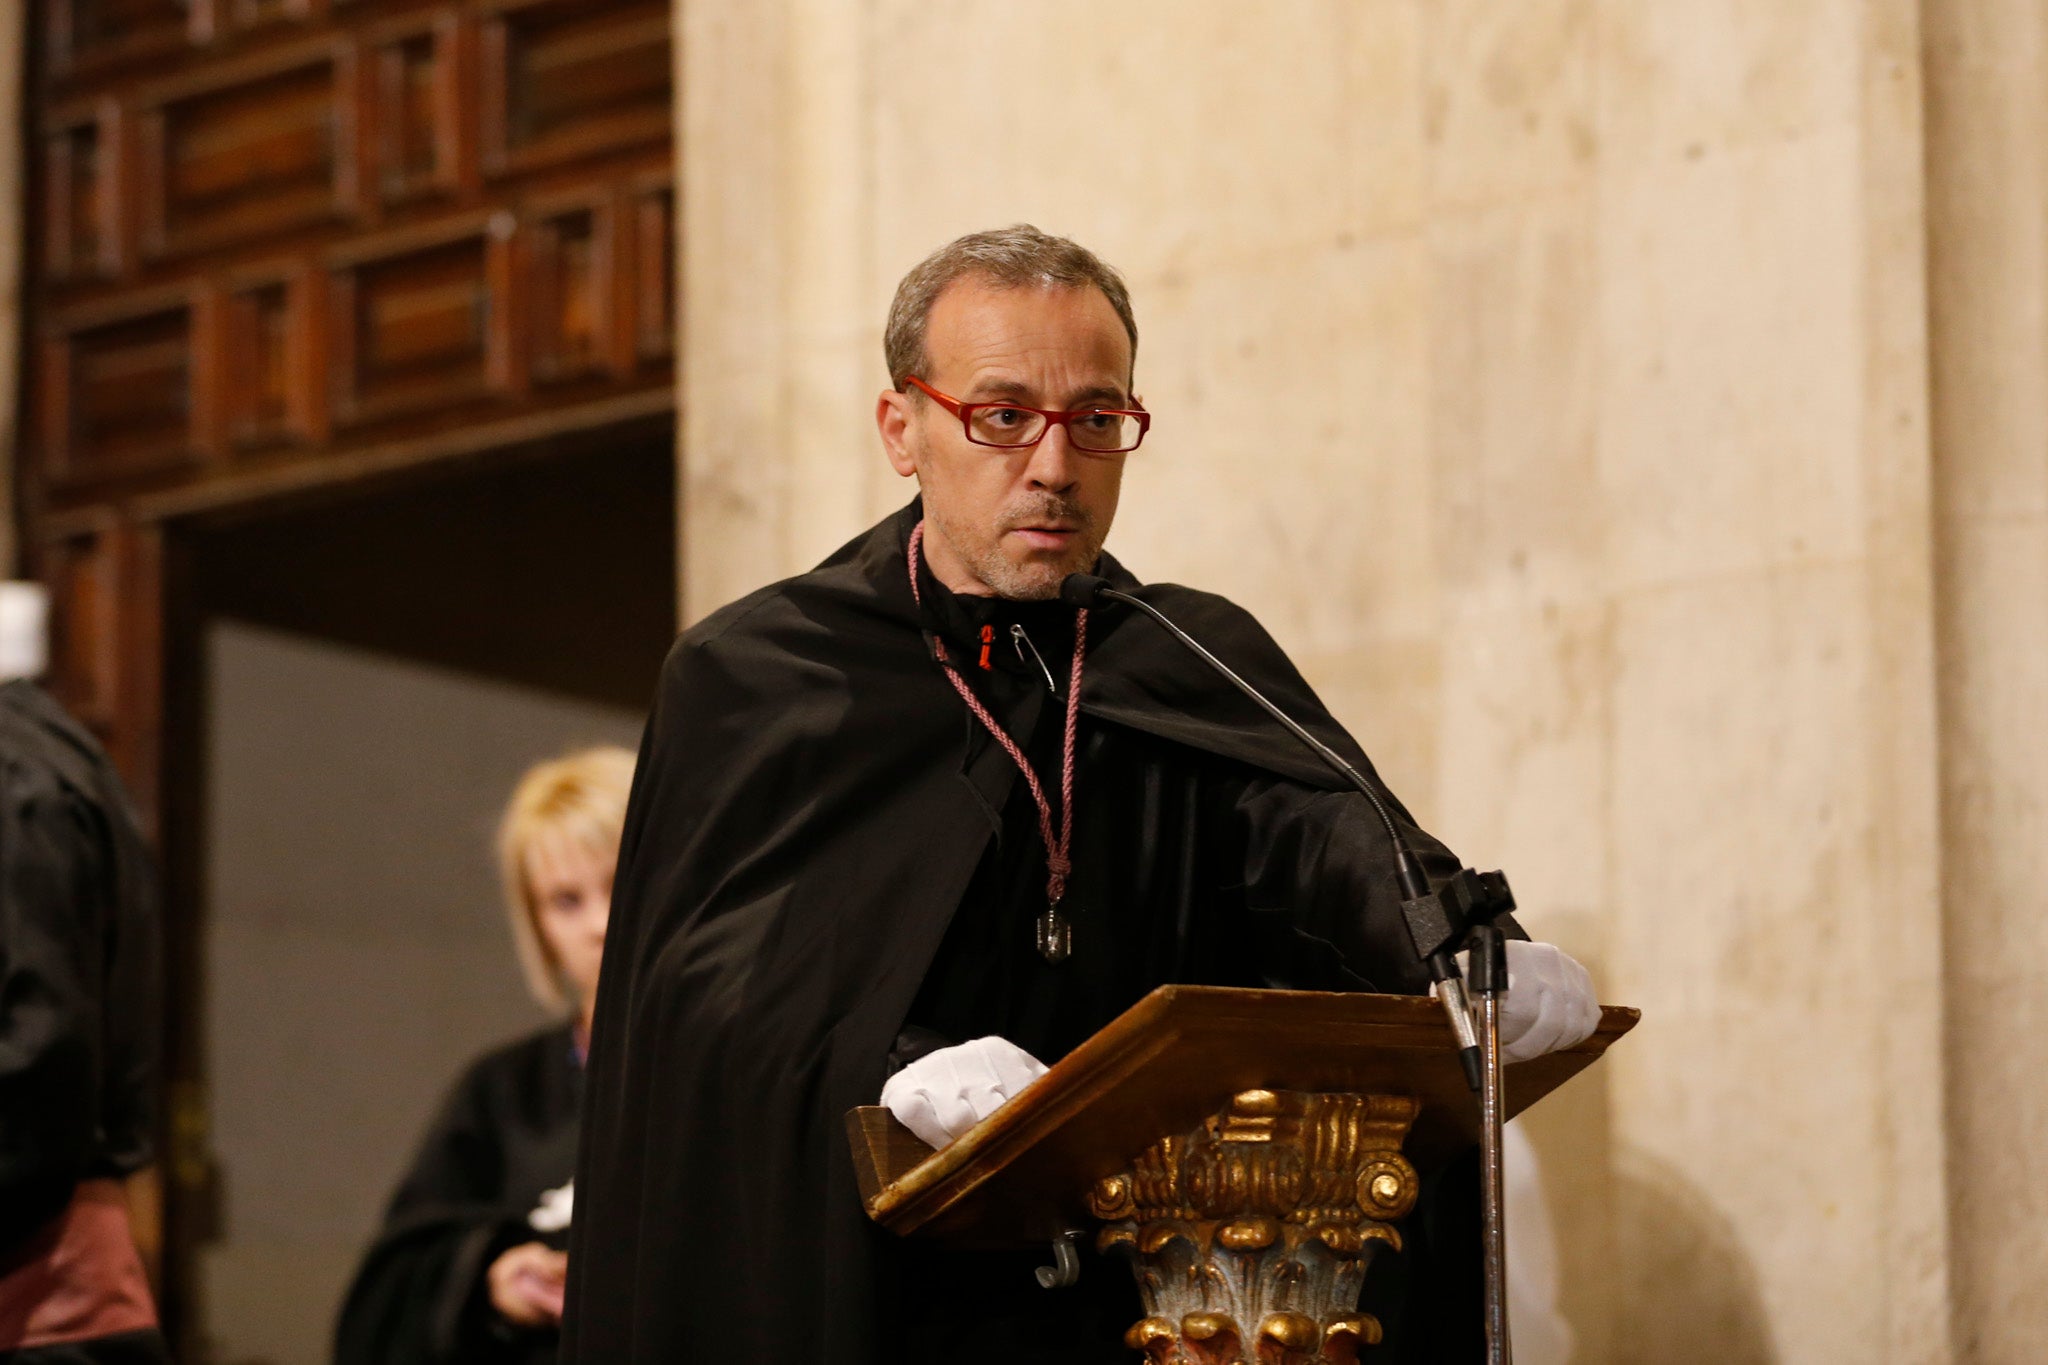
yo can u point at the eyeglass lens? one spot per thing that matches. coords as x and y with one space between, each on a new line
1000 426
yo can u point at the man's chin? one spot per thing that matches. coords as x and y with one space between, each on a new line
1038 579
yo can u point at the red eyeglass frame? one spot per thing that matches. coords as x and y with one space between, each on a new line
965 412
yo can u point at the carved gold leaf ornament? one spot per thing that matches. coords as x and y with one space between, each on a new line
1291 1331
1111 1198
1263 1217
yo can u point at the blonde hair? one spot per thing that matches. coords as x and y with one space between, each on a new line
580 796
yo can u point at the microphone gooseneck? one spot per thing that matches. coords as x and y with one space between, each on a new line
1081 590
1465 907
1084 590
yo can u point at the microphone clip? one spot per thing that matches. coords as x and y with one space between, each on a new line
1443 920
1460 914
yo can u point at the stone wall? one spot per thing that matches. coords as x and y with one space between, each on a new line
1552 379
1987 171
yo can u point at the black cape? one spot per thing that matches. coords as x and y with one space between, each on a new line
812 805
505 1136
80 984
80 966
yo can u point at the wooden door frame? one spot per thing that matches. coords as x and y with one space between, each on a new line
128 660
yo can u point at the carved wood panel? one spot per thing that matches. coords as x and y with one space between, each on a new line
563 80
89 33
251 154
416 109
420 325
121 391
654 260
280 232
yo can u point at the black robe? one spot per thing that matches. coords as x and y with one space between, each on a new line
504 1137
813 805
80 1000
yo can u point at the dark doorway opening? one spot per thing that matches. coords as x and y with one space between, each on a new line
357 680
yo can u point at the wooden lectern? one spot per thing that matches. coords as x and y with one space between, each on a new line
1244 1148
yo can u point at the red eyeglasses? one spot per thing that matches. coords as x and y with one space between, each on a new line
1012 426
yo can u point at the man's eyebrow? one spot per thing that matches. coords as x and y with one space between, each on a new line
987 390
999 388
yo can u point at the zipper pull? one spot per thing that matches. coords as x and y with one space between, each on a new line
1023 642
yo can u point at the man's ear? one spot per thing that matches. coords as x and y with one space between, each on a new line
892 419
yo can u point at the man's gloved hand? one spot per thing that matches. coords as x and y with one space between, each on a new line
943 1094
1549 1003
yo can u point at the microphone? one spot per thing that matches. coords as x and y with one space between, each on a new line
1419 907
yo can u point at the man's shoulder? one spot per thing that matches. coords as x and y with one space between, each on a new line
46 750
824 617
1196 601
1211 618
816 598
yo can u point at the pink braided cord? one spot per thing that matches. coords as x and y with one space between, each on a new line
1056 860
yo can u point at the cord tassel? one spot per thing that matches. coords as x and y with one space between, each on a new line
1055 934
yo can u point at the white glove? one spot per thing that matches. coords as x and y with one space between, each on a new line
942 1094
1549 1002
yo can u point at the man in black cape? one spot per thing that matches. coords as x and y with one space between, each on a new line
910 806
80 991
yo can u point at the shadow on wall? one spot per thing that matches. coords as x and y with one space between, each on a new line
1687 1291
1650 1273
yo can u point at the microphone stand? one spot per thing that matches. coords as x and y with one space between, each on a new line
1490 982
1459 914
1464 911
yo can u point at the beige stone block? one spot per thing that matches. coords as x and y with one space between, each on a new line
1681 1284
1508 98
1987 225
1525 757
1994 674
1995 780
1513 355
1572 1133
1988 285
1165 137
733 327
1386 694
1739 734
1285 467
828 454
1684 80
1733 361
1768 957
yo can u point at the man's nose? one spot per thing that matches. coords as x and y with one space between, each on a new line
1054 462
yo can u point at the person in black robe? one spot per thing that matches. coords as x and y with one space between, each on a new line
80 1037
834 865
469 1264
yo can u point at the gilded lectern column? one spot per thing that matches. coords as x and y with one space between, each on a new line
1251 1235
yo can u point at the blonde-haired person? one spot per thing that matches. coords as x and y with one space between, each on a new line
469 1266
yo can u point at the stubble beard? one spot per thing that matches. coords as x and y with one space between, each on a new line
1037 579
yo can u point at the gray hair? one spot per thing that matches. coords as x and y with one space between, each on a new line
1010 258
